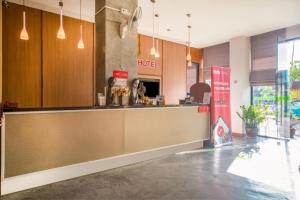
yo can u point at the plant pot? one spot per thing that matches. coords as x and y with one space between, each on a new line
251 132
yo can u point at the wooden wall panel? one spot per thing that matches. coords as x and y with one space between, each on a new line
67 71
22 59
201 71
174 72
144 47
196 55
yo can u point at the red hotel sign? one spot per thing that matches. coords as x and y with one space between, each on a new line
120 74
146 63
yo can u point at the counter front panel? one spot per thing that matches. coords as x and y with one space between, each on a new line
36 141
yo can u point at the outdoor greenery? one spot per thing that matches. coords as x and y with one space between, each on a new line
295 71
253 115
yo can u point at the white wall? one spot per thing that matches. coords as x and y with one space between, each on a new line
240 60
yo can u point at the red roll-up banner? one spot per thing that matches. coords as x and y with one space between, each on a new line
221 133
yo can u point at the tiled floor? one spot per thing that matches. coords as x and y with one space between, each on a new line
250 169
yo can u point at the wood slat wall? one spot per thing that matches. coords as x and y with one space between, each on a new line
145 45
22 59
68 78
45 71
174 72
197 57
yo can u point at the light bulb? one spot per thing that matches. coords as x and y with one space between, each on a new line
188 57
157 55
80 44
190 64
61 33
24 34
153 51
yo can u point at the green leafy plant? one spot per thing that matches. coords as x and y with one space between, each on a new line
253 115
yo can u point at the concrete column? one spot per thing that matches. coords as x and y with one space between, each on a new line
112 52
240 60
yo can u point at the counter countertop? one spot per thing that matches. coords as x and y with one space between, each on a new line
61 109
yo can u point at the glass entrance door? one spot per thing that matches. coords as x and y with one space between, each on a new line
288 89
282 103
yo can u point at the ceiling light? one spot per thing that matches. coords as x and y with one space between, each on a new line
80 44
61 33
153 51
188 56
24 34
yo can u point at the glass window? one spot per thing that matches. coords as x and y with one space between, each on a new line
265 95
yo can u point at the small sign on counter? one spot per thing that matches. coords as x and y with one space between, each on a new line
203 109
121 78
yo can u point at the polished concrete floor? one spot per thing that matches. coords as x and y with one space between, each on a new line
251 169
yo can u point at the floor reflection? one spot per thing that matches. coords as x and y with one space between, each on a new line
271 162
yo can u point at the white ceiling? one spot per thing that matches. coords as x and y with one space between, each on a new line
213 21
216 21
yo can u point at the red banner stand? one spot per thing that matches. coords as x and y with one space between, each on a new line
221 133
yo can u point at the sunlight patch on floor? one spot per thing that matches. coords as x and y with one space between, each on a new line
270 164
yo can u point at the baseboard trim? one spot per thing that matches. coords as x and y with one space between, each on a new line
36 179
235 134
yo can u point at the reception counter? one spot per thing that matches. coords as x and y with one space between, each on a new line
65 144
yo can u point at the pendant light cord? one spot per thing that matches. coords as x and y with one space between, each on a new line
61 4
24 15
80 21
80 13
189 33
153 28
157 31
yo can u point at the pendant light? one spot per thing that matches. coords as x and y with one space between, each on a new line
157 50
24 34
80 44
61 33
153 51
188 56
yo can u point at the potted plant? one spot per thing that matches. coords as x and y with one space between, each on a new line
252 116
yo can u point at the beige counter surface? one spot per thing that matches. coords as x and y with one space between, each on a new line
42 140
